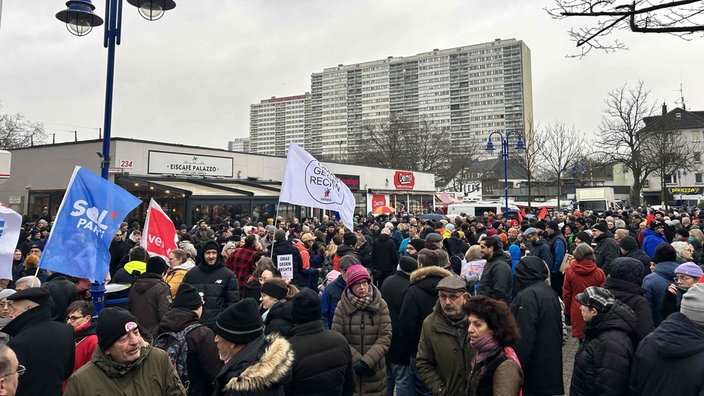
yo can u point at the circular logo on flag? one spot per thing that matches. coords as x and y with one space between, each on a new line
322 185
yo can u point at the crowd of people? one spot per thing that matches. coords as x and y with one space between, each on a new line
473 305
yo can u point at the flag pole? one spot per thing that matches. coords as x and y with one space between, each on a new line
276 216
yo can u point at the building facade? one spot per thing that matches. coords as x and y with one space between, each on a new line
276 122
240 145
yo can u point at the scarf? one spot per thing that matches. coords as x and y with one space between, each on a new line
485 344
361 303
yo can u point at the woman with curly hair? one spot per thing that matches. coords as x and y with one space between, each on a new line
495 367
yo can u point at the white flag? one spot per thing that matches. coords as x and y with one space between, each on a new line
10 223
308 183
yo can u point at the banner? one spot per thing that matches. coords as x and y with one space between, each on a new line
88 217
159 234
10 224
284 263
308 183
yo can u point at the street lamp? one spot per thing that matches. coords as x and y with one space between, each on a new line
504 155
679 182
574 180
80 20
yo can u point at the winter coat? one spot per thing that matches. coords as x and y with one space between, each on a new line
558 248
261 368
151 374
218 285
651 240
393 290
640 255
542 250
602 365
202 361
118 250
498 374
281 248
538 314
279 319
605 251
322 362
85 340
655 285
364 251
175 275
150 298
443 361
632 295
45 347
368 332
242 263
384 254
670 361
497 279
63 292
418 303
329 298
580 275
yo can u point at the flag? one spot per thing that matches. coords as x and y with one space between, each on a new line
308 183
159 234
88 217
543 213
10 224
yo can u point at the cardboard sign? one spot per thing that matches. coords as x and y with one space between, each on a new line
284 263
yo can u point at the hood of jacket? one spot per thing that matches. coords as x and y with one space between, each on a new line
176 319
619 317
84 331
383 238
666 269
145 282
623 286
271 368
427 272
343 250
648 232
606 234
531 269
210 245
113 369
136 265
678 337
583 267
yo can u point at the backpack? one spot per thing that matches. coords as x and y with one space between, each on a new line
176 347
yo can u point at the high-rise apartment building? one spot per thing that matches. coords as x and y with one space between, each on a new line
241 145
468 91
275 122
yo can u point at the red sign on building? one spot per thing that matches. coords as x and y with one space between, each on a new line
378 200
404 180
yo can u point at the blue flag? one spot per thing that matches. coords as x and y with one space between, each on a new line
89 216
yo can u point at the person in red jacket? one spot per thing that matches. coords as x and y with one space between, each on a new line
581 274
79 314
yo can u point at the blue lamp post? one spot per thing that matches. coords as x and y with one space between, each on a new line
80 20
576 167
680 174
504 155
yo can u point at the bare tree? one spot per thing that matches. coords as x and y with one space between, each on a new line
681 18
529 158
17 132
561 148
622 138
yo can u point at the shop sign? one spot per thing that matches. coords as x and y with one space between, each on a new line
378 200
163 163
404 180
351 181
685 190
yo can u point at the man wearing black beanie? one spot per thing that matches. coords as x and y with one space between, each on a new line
202 362
150 296
322 358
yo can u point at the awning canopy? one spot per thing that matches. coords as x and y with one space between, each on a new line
208 188
446 199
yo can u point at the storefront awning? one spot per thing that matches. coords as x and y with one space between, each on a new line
446 199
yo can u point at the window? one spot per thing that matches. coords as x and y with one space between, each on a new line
697 157
698 178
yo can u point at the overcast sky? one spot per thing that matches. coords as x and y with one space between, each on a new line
190 77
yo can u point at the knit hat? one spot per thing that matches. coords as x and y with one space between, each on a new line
596 297
530 231
450 227
357 273
187 297
4 293
156 265
113 323
552 225
408 264
627 269
540 225
348 260
690 269
228 245
656 224
39 295
600 226
664 252
451 283
274 289
692 305
628 243
584 237
349 239
417 243
240 323
306 306
31 262
270 228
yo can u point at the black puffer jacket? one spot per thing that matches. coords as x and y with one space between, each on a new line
149 299
323 362
282 248
539 317
605 251
417 304
602 365
217 283
393 290
497 280
384 254
203 361
63 292
279 319
632 295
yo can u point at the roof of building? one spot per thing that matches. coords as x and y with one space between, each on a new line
676 119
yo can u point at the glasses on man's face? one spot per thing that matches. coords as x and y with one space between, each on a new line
451 297
20 370
75 318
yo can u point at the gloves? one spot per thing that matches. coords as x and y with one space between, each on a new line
362 369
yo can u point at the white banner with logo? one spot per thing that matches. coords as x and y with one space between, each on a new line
10 223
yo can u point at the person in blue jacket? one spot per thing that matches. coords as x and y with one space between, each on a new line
656 283
653 236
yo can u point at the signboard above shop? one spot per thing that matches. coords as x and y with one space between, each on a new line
164 163
404 180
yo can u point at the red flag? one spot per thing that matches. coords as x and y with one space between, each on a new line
159 235
521 214
543 213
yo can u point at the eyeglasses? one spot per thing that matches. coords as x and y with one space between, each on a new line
74 318
451 297
682 278
20 370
